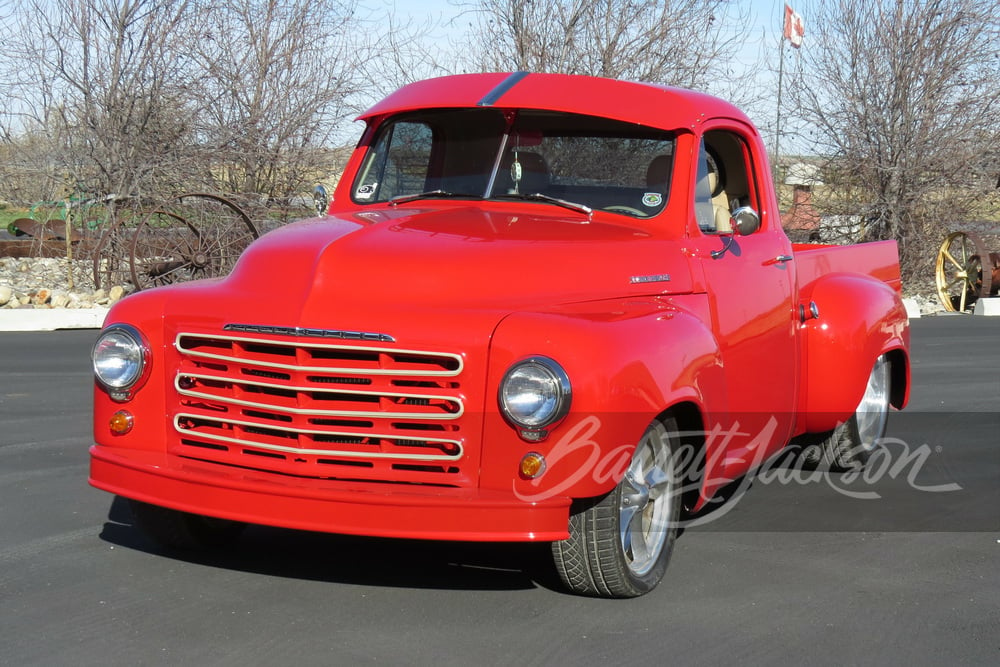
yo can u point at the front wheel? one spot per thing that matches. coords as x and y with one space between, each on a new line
620 544
180 530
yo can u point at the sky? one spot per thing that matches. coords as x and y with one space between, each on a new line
766 17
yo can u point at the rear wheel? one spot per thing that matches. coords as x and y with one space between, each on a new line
850 445
181 530
619 545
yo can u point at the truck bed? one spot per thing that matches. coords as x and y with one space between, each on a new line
878 259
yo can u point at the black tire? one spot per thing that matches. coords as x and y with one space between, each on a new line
179 530
850 445
619 545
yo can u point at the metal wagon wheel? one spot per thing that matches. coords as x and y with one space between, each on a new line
107 242
961 280
192 236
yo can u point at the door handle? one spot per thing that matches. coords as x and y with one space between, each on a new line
780 259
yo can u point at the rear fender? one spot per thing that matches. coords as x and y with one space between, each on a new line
859 318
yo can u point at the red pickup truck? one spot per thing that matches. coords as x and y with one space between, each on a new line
540 307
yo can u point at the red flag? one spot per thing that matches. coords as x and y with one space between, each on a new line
794 27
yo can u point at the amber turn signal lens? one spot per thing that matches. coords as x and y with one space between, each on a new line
121 422
532 465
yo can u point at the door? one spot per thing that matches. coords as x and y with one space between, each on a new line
750 283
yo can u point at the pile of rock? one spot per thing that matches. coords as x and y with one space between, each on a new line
928 305
45 283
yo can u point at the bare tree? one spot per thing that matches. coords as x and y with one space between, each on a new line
398 51
149 98
278 79
687 43
904 95
96 80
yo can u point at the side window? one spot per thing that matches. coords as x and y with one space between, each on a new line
703 210
397 164
723 184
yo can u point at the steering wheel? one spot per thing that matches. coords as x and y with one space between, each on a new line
619 208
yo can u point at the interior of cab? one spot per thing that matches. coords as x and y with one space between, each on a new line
547 157
723 184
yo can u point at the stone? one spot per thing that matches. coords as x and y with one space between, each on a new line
41 297
59 300
6 294
116 293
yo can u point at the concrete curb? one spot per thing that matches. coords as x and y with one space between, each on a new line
50 319
987 307
912 309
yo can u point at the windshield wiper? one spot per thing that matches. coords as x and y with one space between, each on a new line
432 194
538 196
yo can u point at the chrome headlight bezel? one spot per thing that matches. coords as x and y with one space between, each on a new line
120 360
534 394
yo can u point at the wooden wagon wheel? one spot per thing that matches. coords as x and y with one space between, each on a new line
959 273
192 236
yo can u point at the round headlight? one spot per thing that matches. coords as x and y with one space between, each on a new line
119 358
534 393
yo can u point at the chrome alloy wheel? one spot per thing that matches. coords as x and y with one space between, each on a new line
873 410
647 502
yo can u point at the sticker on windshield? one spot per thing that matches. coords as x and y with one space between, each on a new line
365 191
652 199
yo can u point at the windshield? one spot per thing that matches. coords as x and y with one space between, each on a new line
548 157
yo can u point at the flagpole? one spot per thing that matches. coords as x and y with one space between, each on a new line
777 120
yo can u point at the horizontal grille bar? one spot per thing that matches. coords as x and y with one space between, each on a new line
248 426
451 407
354 359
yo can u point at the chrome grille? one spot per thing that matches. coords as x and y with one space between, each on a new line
320 409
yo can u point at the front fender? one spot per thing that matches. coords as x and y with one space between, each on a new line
859 319
627 361
144 311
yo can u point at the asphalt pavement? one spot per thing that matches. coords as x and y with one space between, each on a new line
900 568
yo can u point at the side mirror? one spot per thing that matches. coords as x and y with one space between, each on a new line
745 221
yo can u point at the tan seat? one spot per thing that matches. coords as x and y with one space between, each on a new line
658 174
720 205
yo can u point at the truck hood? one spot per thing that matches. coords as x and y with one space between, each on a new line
378 268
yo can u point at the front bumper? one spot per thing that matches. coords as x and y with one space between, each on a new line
332 506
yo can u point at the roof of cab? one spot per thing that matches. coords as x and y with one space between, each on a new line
644 103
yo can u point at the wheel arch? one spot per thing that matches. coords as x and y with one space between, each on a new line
690 422
899 377
858 319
